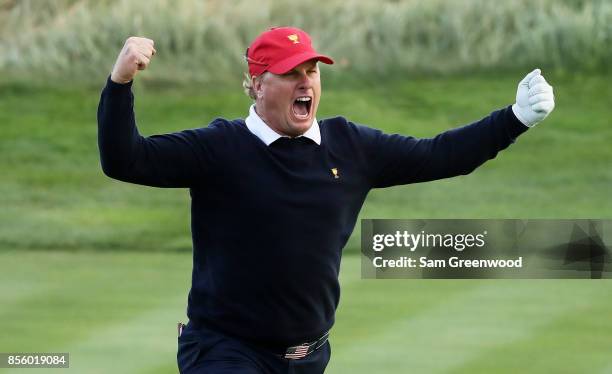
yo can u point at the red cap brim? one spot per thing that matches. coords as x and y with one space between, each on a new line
289 63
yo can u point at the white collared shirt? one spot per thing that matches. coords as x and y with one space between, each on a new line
260 129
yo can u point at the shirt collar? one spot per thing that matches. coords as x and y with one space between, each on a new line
260 129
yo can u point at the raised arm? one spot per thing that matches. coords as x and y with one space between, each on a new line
397 159
170 160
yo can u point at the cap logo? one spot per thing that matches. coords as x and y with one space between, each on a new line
293 38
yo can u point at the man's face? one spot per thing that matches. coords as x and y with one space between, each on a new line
288 102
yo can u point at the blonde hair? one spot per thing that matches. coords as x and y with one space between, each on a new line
247 84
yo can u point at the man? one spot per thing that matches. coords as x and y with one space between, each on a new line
276 196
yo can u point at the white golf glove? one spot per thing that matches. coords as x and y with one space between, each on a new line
534 99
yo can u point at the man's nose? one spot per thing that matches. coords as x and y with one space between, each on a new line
305 81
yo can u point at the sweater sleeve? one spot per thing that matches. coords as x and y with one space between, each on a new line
169 160
396 159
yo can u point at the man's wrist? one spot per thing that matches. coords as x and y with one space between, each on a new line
118 87
118 80
516 111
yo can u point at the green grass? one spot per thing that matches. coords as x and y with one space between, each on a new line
116 312
101 269
113 312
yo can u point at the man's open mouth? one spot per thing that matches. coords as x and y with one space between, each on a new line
301 107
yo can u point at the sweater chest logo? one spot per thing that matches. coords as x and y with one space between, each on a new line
335 173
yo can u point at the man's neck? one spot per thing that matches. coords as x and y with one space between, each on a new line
257 125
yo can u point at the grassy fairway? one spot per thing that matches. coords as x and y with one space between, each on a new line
115 312
101 269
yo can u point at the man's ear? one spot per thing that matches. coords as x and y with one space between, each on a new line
258 85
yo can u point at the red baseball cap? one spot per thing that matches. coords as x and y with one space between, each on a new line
280 49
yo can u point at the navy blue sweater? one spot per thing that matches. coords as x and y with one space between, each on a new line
269 222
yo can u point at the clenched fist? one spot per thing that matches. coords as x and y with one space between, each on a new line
135 55
534 99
